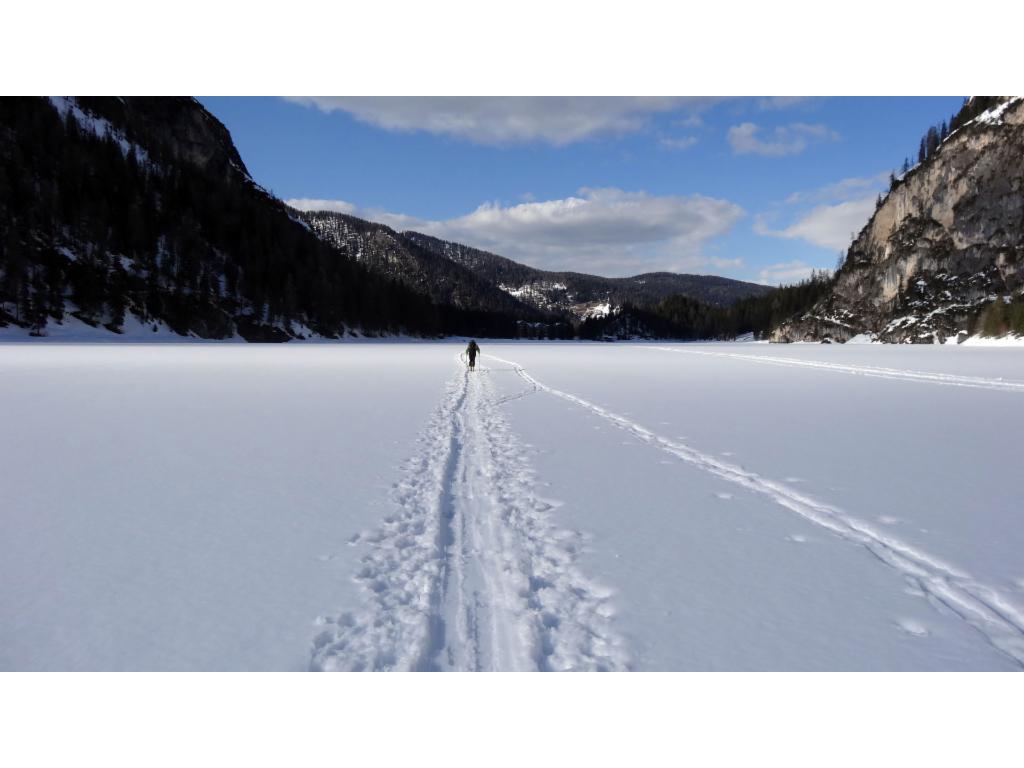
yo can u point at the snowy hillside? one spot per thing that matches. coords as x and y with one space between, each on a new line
386 252
579 295
566 506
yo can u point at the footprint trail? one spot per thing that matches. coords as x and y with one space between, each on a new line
998 618
469 573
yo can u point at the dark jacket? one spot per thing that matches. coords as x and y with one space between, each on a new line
472 350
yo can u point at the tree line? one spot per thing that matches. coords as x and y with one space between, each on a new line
932 139
1001 317
681 317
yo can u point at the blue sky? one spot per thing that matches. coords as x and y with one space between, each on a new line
754 188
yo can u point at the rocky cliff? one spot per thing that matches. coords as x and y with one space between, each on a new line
945 243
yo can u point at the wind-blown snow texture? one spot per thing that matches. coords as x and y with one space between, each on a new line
565 506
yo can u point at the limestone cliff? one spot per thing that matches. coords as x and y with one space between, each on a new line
947 241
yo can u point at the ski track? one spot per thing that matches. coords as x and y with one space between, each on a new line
946 379
468 573
997 618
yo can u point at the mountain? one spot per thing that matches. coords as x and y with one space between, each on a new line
386 252
137 214
943 255
582 295
474 279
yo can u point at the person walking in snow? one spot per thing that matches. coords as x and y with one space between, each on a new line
471 352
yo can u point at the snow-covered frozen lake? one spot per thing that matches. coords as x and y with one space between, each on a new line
566 506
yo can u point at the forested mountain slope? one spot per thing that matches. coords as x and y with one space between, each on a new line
134 211
581 295
384 251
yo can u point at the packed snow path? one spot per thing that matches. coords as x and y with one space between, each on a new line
469 574
999 619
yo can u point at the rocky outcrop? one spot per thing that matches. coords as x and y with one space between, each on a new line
947 241
177 128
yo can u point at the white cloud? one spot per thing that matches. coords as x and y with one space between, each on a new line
607 231
828 216
829 226
846 189
785 273
398 221
783 140
554 120
679 144
319 204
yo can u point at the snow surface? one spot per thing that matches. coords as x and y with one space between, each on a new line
71 329
994 116
1010 340
565 506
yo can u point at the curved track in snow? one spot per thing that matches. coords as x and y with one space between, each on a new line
946 379
997 618
469 574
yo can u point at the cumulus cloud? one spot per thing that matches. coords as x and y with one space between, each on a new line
839 191
557 120
828 216
397 221
319 204
829 226
785 273
792 139
608 231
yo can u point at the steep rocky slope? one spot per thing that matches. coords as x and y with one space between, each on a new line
945 243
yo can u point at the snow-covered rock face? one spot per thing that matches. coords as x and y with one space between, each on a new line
943 244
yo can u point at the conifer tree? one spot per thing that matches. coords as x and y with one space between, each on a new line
932 142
